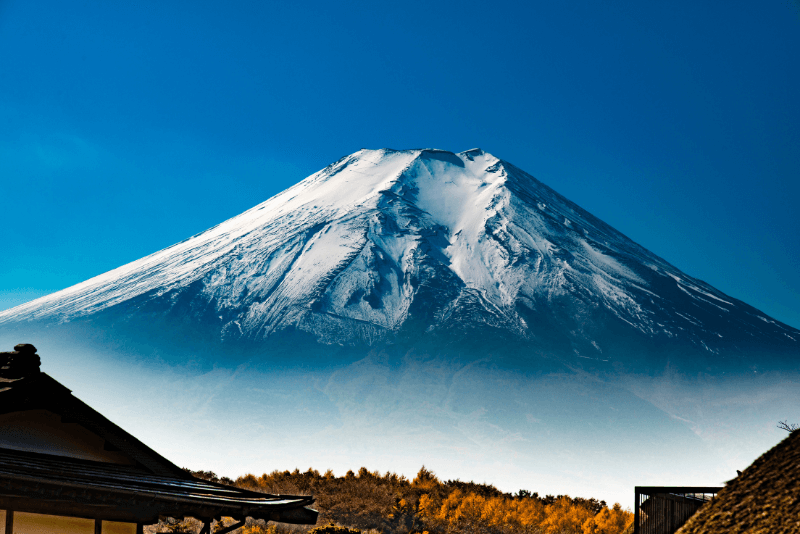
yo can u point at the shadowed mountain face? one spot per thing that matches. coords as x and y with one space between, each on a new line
419 267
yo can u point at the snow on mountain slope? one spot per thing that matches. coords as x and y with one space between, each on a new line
355 251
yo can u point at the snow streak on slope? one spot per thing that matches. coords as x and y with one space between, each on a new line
352 252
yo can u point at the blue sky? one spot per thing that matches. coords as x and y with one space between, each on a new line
127 128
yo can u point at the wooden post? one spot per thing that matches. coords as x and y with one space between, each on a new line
9 521
98 526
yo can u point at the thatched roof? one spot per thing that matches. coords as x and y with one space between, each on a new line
764 499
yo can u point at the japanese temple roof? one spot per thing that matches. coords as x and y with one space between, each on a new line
99 485
40 391
148 487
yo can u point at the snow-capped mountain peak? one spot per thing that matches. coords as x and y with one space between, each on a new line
383 239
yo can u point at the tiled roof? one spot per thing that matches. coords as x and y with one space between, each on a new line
41 391
149 488
69 472
56 484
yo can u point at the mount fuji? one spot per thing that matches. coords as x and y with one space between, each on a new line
421 306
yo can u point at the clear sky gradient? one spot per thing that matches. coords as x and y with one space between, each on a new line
126 127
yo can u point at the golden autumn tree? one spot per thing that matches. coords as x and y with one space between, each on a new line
468 517
448 509
498 512
391 504
564 516
425 480
612 521
428 508
529 514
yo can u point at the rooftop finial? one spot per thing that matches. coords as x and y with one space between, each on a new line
19 363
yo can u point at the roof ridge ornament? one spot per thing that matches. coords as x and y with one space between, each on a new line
22 362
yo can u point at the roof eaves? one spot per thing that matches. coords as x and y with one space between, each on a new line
44 392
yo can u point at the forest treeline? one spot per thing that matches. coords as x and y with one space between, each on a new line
391 504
